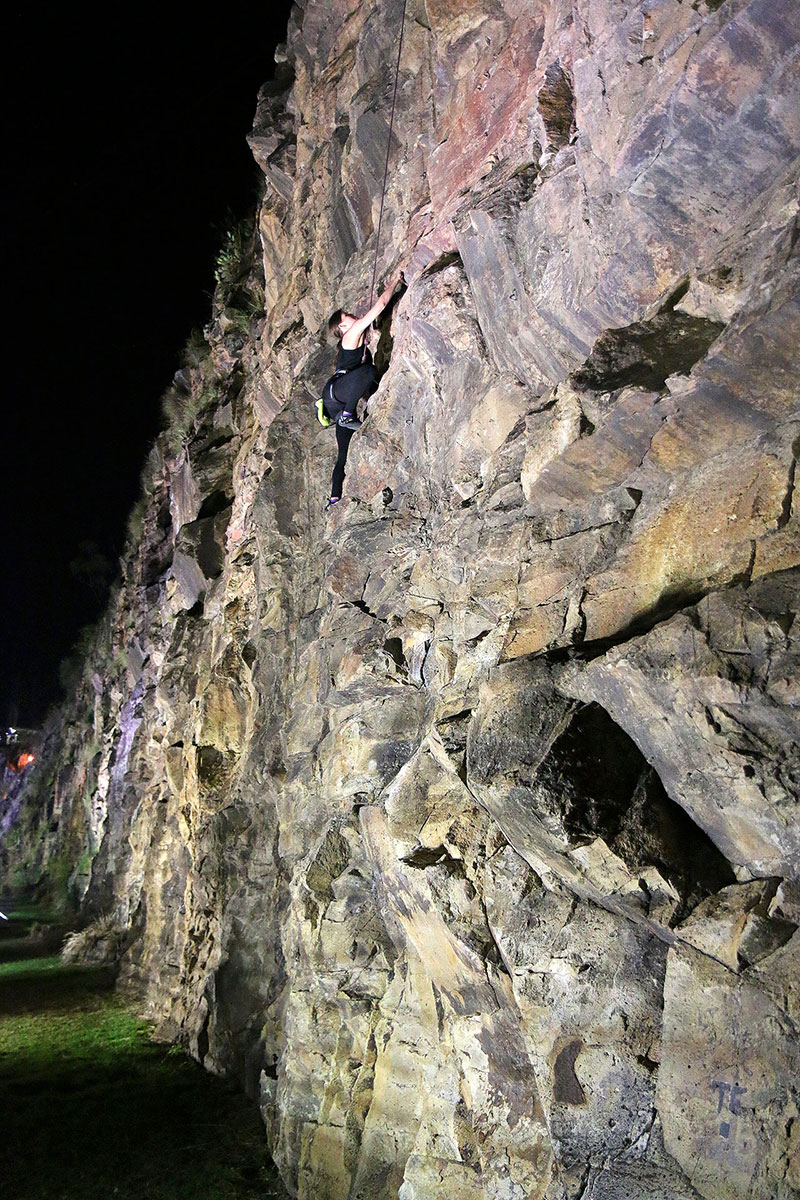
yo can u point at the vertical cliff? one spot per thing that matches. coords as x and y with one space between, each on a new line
461 823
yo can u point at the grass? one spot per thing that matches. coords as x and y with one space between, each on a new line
135 525
235 254
196 349
93 1108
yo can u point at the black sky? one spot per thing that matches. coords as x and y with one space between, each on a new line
125 155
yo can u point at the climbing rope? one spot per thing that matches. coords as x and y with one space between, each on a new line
386 166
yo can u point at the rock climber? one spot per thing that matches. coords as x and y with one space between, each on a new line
355 377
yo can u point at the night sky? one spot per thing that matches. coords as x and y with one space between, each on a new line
125 159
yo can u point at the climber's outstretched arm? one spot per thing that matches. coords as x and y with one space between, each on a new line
353 335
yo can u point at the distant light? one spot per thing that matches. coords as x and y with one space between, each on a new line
3 915
24 761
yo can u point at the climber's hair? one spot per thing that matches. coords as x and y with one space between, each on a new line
333 322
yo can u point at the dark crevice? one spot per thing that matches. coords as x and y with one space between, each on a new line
586 427
649 1064
453 733
786 506
393 646
590 775
362 606
557 106
745 576
595 782
425 856
784 621
646 353
164 516
214 504
449 259
479 637
672 602
210 551
202 1041
676 295
454 722
215 443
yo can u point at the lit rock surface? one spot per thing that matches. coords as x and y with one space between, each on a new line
462 824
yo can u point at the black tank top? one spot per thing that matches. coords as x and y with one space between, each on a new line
346 360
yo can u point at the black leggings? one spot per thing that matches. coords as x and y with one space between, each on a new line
343 437
347 391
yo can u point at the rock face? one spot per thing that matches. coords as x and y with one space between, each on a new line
461 824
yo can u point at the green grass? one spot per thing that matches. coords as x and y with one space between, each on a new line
236 253
15 968
92 1108
22 912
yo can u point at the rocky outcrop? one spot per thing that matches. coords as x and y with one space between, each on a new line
461 824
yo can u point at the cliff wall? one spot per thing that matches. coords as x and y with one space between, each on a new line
461 822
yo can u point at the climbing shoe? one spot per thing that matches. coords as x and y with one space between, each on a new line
348 421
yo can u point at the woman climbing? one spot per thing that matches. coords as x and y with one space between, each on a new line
355 377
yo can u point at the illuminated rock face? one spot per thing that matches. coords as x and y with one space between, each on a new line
461 824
